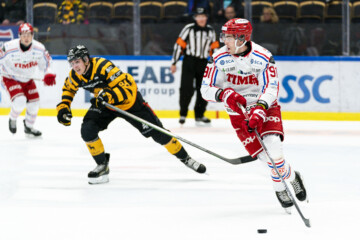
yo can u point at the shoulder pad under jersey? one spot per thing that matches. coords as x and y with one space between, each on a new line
38 45
11 44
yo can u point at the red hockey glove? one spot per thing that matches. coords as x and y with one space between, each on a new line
232 99
49 79
256 119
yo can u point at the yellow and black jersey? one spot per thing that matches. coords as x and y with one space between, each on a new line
102 74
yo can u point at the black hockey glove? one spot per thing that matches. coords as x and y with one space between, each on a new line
64 113
106 95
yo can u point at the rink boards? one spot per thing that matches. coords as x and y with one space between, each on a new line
317 88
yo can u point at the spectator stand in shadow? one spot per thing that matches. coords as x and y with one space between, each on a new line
229 13
355 40
324 42
268 31
71 11
293 41
1 12
14 12
269 15
154 45
317 41
220 6
192 6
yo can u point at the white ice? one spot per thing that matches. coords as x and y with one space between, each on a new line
44 194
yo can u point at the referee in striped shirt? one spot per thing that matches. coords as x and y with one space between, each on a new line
196 42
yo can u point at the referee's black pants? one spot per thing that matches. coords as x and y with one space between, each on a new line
192 68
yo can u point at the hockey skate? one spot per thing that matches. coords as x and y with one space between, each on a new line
31 131
299 187
101 173
194 165
203 121
182 119
285 201
12 126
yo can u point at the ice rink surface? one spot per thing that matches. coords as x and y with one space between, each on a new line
44 194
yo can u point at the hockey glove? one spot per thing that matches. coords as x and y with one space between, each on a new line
256 119
49 79
232 99
106 95
64 113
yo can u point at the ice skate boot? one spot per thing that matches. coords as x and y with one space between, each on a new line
12 126
194 165
285 200
203 121
299 187
31 131
182 119
101 173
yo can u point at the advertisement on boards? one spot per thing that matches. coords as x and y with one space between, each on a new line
305 86
309 86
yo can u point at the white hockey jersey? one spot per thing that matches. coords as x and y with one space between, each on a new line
254 76
23 66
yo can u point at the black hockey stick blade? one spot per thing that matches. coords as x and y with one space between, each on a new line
235 161
241 160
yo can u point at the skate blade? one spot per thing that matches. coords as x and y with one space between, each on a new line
306 200
99 180
201 124
288 210
31 136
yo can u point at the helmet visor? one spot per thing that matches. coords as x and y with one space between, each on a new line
231 37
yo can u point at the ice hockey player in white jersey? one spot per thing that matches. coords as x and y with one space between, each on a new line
20 59
243 72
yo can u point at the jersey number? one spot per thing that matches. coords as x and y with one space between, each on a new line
207 72
273 71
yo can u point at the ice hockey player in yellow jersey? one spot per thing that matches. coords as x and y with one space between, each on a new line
108 83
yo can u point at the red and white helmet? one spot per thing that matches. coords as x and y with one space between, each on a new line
239 27
26 27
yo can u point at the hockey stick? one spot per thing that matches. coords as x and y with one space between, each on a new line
306 221
234 161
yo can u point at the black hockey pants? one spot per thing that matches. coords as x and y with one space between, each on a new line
192 68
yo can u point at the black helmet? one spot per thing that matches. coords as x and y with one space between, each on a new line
80 51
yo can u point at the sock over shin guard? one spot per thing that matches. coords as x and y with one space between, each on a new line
32 109
17 106
274 147
96 149
175 148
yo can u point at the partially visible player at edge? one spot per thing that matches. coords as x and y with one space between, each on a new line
19 60
108 83
243 72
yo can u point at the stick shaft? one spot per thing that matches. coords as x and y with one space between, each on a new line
232 161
